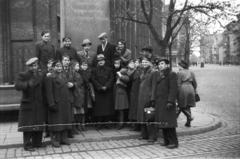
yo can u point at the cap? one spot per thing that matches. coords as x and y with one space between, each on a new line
100 57
183 64
102 35
86 41
148 47
162 59
31 61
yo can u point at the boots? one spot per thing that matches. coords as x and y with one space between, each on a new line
187 113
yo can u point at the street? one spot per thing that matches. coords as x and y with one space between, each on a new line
219 90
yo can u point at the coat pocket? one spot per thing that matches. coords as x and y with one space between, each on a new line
26 104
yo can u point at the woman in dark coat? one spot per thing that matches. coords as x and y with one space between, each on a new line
186 95
165 108
122 52
31 110
102 80
133 89
146 95
59 105
44 50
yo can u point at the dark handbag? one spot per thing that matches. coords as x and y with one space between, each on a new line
197 98
149 113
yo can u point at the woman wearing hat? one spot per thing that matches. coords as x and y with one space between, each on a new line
187 87
44 50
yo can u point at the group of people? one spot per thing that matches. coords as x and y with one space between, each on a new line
63 88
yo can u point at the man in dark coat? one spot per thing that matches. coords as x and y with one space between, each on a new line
165 108
102 80
31 111
67 49
44 50
107 49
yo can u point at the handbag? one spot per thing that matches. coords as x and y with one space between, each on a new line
149 112
197 98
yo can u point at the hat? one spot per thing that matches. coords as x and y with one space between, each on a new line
100 57
183 64
102 35
162 59
31 61
148 47
86 41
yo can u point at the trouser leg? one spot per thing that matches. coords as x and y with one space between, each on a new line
37 138
165 137
55 137
27 140
144 132
172 136
64 136
152 131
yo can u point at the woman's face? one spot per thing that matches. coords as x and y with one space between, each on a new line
49 65
65 62
76 67
84 66
131 65
120 45
117 64
145 63
46 37
58 67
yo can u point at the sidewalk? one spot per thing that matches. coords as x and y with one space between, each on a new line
10 138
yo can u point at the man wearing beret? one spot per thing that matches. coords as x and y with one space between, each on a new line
87 55
107 49
31 112
165 108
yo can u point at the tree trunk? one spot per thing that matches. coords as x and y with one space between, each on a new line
170 55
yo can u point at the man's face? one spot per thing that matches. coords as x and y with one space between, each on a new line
65 62
103 40
117 64
101 62
33 67
46 37
67 43
162 65
145 63
87 47
131 65
58 67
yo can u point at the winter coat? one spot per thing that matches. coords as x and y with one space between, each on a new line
166 92
31 110
121 99
44 51
58 96
187 86
70 51
146 91
108 52
133 93
78 92
104 102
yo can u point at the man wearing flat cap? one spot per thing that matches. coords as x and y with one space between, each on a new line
87 55
107 49
102 80
165 108
31 112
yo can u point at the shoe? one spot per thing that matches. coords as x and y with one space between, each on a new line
163 144
56 145
65 143
151 140
40 145
142 138
29 149
173 146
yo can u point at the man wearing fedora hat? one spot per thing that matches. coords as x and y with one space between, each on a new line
102 80
31 112
67 49
107 49
87 55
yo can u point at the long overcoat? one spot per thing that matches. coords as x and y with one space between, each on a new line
108 52
44 52
166 91
104 101
133 93
187 86
146 90
57 95
31 110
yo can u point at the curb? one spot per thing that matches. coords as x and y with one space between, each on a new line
192 131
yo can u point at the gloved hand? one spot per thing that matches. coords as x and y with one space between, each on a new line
169 106
153 103
53 108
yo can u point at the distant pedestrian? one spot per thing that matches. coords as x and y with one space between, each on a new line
67 49
165 108
44 50
102 80
31 112
187 86
59 110
107 49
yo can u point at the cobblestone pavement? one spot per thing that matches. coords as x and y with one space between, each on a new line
219 89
